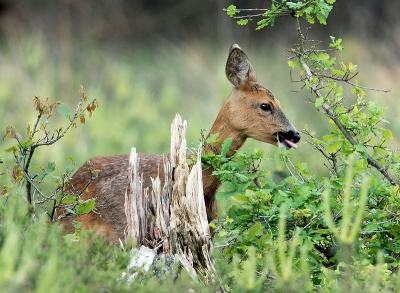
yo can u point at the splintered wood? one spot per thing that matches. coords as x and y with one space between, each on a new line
172 219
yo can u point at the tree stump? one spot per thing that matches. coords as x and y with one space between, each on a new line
172 219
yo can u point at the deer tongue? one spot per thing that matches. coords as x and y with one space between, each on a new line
291 144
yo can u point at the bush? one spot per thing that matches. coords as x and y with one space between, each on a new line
333 233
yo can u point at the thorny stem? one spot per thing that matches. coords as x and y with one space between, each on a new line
331 114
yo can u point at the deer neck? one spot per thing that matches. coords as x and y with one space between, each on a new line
223 127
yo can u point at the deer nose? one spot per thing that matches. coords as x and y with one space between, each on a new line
294 136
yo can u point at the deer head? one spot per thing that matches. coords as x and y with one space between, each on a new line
251 110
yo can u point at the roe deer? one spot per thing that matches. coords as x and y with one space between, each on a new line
250 111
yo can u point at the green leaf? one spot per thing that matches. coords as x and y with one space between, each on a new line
222 233
334 147
255 230
329 137
70 238
224 195
321 18
64 110
387 134
381 152
304 191
310 19
241 197
26 144
294 64
317 141
213 138
226 145
337 72
231 10
318 102
362 150
36 168
338 90
243 21
85 207
336 44
69 199
322 56
294 6
50 167
11 149
77 225
242 177
71 159
358 91
69 169
370 227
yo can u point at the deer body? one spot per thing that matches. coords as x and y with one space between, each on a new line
250 111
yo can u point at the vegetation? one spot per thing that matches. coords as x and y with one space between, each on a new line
345 221
39 135
335 232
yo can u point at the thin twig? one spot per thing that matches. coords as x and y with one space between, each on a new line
71 122
347 80
286 160
28 177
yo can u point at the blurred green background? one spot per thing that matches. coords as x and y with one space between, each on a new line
145 61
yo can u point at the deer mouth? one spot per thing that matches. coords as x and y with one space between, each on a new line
288 140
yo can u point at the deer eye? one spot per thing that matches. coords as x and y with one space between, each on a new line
265 107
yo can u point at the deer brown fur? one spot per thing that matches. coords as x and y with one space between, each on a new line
250 111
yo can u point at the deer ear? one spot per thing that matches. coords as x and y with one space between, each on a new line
238 67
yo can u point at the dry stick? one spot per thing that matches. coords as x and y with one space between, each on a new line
331 114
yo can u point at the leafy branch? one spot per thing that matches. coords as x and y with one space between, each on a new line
310 10
314 82
40 135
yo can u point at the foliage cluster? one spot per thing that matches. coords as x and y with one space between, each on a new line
310 10
36 178
333 233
